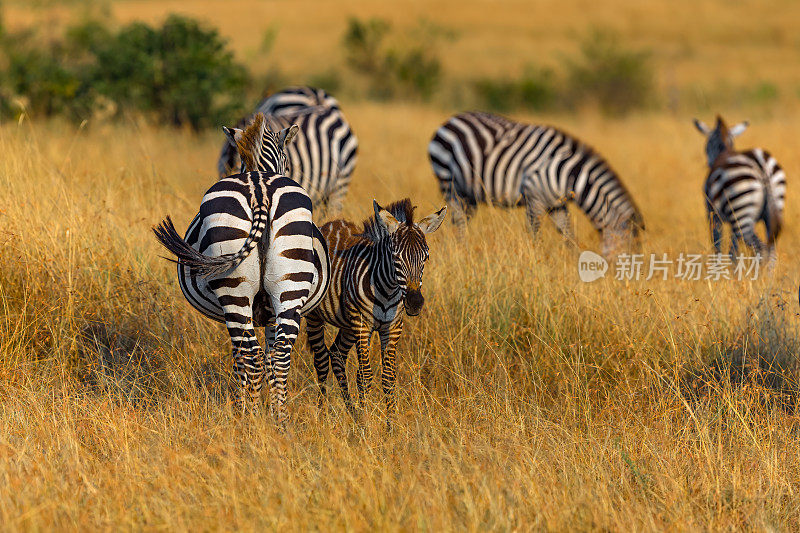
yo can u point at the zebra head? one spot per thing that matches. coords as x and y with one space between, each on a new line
408 246
720 139
260 148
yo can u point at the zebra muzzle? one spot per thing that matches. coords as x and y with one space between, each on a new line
414 302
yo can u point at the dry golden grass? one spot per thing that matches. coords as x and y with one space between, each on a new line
528 400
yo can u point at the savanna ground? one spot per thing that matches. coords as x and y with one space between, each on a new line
528 400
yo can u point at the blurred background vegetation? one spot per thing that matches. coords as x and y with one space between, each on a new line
88 59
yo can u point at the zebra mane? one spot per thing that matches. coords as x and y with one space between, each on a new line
249 144
402 210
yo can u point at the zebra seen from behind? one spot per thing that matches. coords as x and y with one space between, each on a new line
376 275
485 158
742 189
324 153
253 257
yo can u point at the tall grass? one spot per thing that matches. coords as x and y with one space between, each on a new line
527 399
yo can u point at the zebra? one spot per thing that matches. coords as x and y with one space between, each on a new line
485 158
376 274
253 257
742 189
324 154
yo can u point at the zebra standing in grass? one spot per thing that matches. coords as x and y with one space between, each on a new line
742 189
376 273
485 158
323 155
253 257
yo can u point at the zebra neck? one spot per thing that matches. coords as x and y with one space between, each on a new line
384 275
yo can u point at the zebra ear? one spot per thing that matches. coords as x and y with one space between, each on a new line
230 133
738 129
701 127
431 223
385 219
287 135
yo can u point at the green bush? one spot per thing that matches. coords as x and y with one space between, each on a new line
397 71
535 90
618 80
415 71
36 76
363 43
180 73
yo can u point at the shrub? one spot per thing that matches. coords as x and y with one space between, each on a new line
181 72
363 44
535 90
400 70
617 79
415 71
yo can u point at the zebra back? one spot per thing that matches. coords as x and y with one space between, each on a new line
295 99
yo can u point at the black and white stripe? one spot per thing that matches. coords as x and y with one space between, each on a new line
253 257
376 274
742 189
485 158
324 154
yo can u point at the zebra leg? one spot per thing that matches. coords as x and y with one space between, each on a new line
772 256
315 327
335 201
389 338
751 239
459 209
339 351
287 326
715 225
248 359
534 209
364 373
560 217
734 250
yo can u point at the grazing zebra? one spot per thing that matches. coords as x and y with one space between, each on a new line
742 189
323 155
253 257
376 273
485 158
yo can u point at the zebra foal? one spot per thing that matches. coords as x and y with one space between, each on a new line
376 274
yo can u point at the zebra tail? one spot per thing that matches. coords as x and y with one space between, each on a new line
206 265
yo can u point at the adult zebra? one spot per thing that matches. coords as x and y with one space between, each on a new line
486 158
323 155
253 257
742 189
376 273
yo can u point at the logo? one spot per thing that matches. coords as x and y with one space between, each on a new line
591 266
